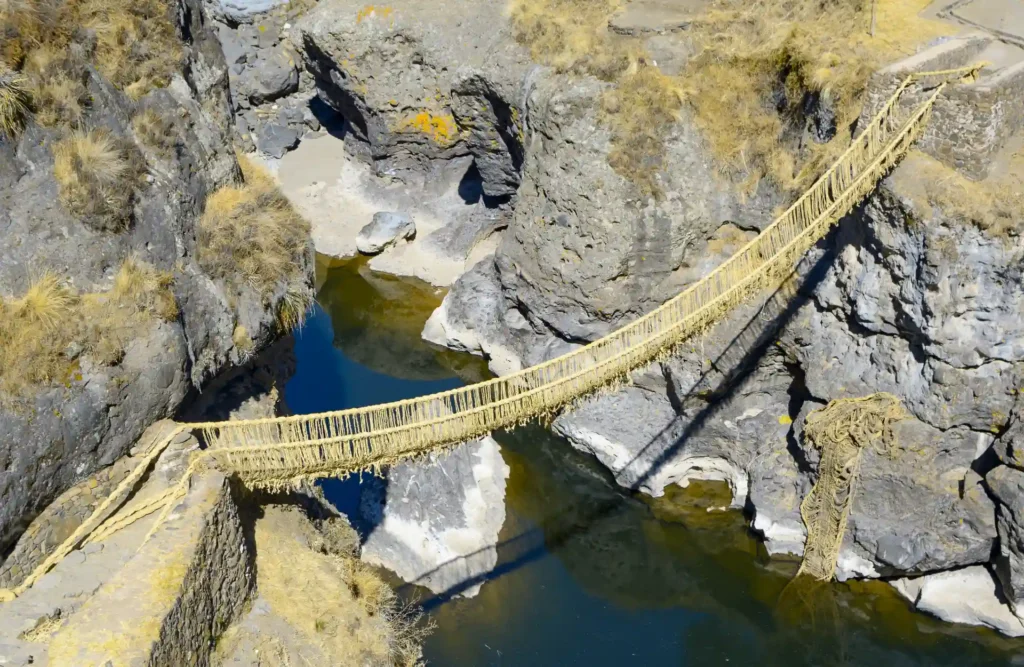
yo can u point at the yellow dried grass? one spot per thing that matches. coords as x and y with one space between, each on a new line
250 234
994 205
98 174
755 65
40 331
758 62
13 102
136 46
339 604
155 130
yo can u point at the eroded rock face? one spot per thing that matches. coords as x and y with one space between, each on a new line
51 439
270 89
1007 486
421 83
435 523
476 317
586 251
920 305
919 508
649 441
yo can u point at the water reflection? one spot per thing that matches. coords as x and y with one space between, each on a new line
377 321
603 578
589 575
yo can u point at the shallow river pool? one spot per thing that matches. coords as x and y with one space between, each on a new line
588 574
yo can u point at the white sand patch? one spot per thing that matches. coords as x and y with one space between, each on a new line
339 195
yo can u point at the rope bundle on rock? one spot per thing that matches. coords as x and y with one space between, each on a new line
841 430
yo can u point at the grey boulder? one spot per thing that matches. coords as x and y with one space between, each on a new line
1007 485
435 522
384 230
276 140
918 508
269 77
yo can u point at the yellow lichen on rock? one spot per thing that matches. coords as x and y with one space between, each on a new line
442 128
373 11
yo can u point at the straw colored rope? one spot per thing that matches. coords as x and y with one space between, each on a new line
841 430
99 514
279 452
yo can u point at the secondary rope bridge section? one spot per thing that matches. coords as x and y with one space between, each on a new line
282 451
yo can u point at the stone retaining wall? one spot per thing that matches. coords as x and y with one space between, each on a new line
970 123
174 597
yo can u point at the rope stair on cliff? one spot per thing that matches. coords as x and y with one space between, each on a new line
280 451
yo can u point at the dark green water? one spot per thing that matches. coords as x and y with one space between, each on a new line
588 575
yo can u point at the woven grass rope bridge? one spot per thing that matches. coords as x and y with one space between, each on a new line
278 452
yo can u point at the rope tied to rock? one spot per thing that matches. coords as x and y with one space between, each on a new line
842 430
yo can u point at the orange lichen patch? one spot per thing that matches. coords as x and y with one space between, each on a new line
374 11
442 128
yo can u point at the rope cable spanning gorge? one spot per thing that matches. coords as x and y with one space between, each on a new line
277 452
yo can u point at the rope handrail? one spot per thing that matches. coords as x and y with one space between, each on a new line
424 408
277 451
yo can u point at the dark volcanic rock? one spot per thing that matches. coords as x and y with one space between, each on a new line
51 439
1007 486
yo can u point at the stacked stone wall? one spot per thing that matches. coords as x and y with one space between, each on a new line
970 122
59 520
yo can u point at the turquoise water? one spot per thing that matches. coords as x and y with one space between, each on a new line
587 574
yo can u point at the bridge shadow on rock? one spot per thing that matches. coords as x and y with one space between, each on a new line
738 360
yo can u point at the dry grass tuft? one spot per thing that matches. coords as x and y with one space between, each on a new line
156 130
251 235
758 67
571 35
339 604
27 24
640 111
98 174
43 332
145 289
57 84
60 101
995 205
13 102
292 309
135 46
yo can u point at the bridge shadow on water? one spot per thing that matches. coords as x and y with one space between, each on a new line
735 363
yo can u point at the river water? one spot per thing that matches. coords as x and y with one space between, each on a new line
588 574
